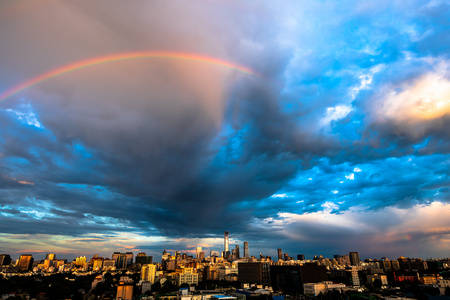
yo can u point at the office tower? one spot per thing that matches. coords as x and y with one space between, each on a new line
246 254
201 255
130 258
25 262
97 263
291 278
225 242
115 257
199 249
48 263
108 264
237 251
300 257
354 258
143 259
286 256
5 259
148 273
50 256
122 261
280 254
80 261
254 272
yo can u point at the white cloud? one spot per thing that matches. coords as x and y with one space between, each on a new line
350 176
26 115
335 113
280 196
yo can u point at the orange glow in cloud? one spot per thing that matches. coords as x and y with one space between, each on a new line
26 182
426 99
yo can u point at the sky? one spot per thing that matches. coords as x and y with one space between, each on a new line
318 127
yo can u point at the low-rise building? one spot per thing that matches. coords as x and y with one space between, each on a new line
321 287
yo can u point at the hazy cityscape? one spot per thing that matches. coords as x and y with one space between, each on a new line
230 274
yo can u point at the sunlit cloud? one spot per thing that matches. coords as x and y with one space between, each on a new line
423 99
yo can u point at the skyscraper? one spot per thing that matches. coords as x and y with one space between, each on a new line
80 261
5 259
246 249
122 261
354 258
199 249
225 242
115 257
25 262
148 273
280 254
143 259
237 251
130 258
50 256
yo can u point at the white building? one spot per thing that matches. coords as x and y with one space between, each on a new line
187 276
321 287
443 284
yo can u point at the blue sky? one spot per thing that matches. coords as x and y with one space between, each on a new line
340 143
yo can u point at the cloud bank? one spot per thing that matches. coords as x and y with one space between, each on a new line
348 120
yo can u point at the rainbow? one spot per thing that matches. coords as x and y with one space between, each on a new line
122 57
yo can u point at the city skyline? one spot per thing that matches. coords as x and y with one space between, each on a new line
278 254
318 127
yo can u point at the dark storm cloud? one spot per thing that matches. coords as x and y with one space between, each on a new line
183 149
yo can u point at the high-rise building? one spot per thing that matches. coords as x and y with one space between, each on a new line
80 261
122 261
237 251
50 256
290 279
48 263
199 249
130 258
286 257
115 257
148 273
25 262
246 254
254 272
354 258
97 263
5 259
280 254
143 259
109 264
226 242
